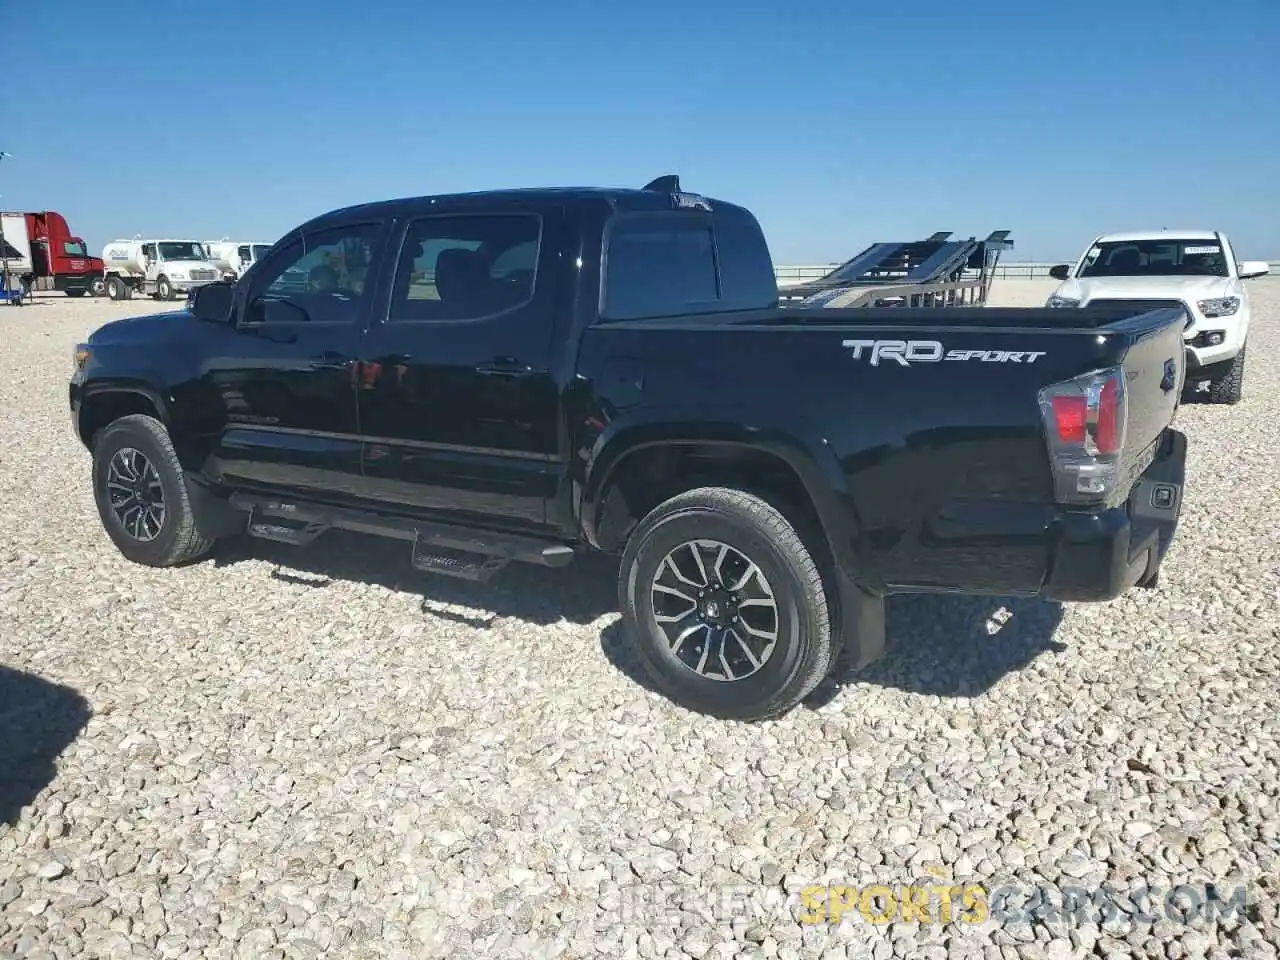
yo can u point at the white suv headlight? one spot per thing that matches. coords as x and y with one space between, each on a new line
1219 306
1056 301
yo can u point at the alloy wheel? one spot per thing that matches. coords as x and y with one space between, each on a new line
716 609
136 494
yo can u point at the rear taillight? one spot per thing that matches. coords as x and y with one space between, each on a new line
1085 422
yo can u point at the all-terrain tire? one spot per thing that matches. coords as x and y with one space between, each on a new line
762 535
179 539
1230 386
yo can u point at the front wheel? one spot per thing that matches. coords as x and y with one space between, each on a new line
117 289
1229 387
725 605
97 287
164 289
141 495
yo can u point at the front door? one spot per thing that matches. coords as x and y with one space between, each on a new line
286 375
457 402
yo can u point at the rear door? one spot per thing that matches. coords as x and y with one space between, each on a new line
286 373
457 399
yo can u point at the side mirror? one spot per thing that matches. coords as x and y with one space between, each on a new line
1248 269
212 302
273 311
1060 272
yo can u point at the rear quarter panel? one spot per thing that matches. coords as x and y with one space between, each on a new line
939 471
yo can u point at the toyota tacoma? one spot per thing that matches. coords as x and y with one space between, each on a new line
525 375
1191 270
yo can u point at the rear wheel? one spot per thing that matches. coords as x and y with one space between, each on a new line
725 605
141 495
1229 387
117 289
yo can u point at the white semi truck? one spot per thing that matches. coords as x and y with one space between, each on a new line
234 257
164 269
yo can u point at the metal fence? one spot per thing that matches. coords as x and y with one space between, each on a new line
1011 270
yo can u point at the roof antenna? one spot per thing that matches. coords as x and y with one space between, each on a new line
665 184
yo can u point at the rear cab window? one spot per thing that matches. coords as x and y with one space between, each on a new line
681 262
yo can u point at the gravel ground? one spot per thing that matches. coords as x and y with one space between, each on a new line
281 753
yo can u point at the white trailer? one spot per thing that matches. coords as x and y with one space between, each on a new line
234 257
15 250
164 269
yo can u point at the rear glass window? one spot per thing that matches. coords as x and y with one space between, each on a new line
660 266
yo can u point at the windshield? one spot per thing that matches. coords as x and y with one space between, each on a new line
179 250
260 251
1155 258
74 248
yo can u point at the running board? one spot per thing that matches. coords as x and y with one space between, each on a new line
447 549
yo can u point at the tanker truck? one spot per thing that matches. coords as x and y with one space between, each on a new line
163 269
234 257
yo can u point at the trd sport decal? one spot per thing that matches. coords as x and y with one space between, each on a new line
907 352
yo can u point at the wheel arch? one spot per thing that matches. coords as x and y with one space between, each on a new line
633 463
102 404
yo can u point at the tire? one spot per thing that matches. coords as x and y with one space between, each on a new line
97 287
117 289
164 289
773 680
177 537
1229 387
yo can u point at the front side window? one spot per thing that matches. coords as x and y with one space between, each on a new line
74 248
660 266
318 277
466 267
1156 258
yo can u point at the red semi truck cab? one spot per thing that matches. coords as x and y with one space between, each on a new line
56 253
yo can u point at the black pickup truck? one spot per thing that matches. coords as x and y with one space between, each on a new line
526 374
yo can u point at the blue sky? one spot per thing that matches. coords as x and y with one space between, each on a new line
839 124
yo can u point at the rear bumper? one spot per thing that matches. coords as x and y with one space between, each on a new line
1099 556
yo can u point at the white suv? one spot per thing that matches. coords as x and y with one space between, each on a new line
1192 269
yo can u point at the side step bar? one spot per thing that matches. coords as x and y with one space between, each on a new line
448 549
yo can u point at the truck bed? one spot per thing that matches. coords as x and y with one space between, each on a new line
943 461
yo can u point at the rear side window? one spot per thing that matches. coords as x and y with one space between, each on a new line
466 267
659 266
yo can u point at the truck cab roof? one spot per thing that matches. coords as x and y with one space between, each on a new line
663 194
1136 236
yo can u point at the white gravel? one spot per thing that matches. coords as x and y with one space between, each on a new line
281 753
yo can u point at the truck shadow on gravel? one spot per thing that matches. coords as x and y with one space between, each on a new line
38 720
580 593
948 646
953 646
942 646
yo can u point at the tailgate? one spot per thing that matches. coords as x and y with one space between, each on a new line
1154 370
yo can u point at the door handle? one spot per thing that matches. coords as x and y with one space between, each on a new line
329 360
505 367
